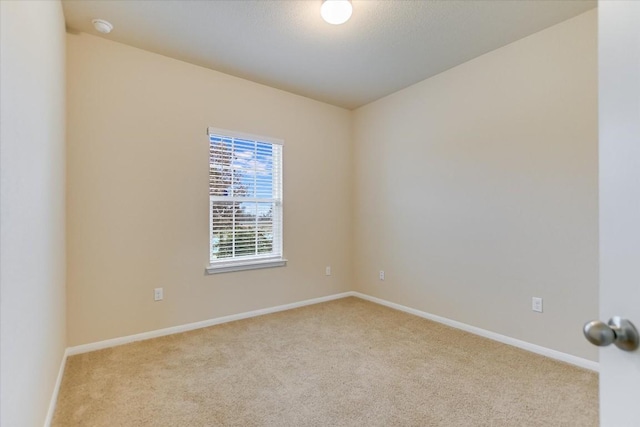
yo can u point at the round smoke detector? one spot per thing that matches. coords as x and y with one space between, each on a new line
102 26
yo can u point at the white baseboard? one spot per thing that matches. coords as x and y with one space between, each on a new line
553 354
85 348
56 390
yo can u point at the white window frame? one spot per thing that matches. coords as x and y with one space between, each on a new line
276 257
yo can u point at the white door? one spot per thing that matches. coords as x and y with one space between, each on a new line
619 122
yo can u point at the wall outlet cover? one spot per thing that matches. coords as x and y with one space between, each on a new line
536 304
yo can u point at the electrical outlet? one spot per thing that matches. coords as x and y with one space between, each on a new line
158 294
536 304
381 274
327 270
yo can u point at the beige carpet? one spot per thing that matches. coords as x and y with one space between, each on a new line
343 363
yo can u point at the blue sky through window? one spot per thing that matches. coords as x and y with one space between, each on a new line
252 164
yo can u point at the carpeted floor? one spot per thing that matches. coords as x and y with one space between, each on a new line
347 362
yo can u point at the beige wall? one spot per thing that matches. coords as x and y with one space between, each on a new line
476 190
138 192
32 208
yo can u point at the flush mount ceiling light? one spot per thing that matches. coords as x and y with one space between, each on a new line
336 12
102 26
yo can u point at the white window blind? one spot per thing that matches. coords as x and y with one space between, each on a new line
245 199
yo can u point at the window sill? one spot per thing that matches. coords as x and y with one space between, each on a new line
245 265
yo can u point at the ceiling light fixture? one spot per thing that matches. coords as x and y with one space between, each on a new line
336 12
102 26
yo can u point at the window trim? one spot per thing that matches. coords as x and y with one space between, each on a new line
240 265
259 262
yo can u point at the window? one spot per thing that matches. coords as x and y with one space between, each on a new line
245 201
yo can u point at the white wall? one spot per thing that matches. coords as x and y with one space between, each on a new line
138 191
476 190
32 207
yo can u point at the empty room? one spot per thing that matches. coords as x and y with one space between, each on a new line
319 213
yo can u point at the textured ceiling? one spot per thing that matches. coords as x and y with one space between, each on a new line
386 46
